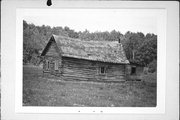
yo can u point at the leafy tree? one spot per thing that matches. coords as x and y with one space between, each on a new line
139 48
147 51
152 66
71 33
131 44
86 35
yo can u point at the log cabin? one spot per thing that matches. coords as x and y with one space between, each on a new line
74 59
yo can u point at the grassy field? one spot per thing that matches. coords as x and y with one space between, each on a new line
42 91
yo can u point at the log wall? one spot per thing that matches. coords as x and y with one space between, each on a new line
52 58
52 50
79 69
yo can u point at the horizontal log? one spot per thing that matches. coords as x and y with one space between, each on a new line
92 79
80 68
76 69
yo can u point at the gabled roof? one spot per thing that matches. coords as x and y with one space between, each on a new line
103 51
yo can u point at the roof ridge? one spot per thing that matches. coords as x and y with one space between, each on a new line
80 40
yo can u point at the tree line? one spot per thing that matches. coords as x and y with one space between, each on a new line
140 49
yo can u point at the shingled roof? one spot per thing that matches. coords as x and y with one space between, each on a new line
103 51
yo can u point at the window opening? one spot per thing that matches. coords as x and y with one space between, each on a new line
133 70
47 65
102 70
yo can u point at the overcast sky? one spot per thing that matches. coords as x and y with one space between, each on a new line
123 20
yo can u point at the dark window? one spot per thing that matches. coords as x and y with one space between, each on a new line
133 70
102 70
47 64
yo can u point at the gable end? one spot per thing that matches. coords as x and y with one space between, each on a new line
51 46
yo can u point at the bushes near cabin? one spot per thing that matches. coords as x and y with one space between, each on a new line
150 77
152 67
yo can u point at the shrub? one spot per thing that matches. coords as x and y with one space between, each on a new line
152 66
150 77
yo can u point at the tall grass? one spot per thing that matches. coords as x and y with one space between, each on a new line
39 90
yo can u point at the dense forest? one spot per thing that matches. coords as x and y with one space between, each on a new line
140 49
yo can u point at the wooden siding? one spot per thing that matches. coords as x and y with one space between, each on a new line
52 61
52 50
52 68
79 69
139 70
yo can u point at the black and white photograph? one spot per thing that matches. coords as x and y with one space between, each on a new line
90 58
